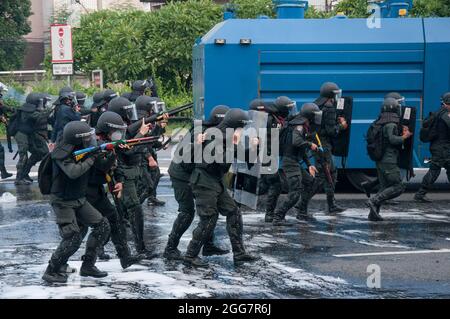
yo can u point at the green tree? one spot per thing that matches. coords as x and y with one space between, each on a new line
353 8
13 26
431 8
251 9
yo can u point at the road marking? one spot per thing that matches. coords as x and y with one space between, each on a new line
388 253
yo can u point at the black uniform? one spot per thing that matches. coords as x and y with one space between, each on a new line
294 149
74 214
440 155
212 198
388 170
4 111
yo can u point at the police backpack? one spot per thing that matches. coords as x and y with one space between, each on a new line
374 139
429 131
45 174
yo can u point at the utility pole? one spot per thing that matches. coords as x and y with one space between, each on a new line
99 5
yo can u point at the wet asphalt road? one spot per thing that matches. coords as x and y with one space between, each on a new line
305 260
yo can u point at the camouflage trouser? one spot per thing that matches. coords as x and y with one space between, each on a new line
98 198
391 185
73 219
209 203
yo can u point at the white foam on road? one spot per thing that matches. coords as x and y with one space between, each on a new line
390 253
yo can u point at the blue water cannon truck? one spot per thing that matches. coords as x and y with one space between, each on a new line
239 60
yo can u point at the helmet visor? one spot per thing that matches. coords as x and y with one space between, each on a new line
118 134
293 108
337 95
88 139
131 112
159 107
318 117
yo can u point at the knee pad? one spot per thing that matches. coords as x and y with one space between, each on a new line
69 230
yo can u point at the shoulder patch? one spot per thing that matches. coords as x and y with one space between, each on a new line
299 128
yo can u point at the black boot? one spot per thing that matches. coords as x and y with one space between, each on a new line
209 249
52 274
131 260
421 196
88 268
332 206
66 269
196 262
102 255
191 258
269 217
171 251
4 173
244 257
28 178
374 215
172 254
153 201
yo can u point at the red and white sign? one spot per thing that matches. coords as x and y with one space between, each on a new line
61 42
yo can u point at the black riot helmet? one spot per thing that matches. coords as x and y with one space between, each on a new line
108 95
285 106
81 98
257 105
79 133
68 98
65 90
113 124
312 113
124 108
217 115
145 103
234 118
44 101
391 105
98 100
395 95
446 98
34 98
139 86
328 90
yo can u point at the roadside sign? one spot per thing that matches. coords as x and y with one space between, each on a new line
62 69
61 43
97 78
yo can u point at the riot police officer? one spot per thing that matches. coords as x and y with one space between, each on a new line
31 135
388 170
74 214
108 96
331 126
277 112
180 171
440 151
295 143
97 109
211 195
69 111
129 169
4 110
110 127
138 89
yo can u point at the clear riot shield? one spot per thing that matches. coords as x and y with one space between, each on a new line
249 165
